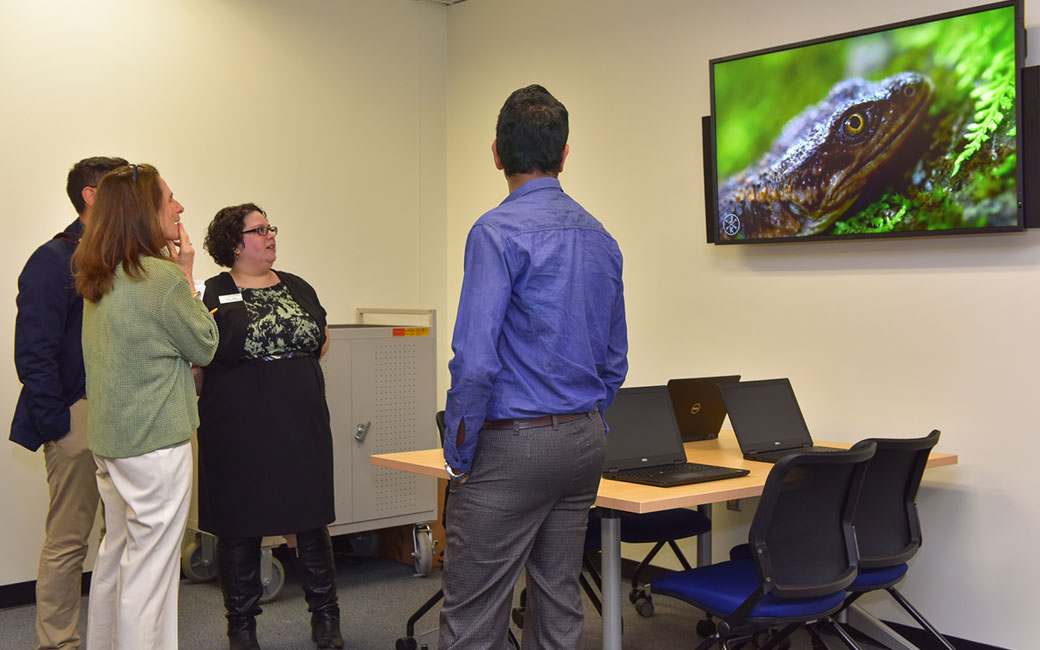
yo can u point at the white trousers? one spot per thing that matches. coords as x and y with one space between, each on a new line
133 592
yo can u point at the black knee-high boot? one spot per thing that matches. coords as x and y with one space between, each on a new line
238 568
318 578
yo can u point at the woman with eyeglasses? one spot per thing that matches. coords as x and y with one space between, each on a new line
143 325
265 444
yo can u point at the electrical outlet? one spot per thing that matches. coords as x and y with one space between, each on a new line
733 504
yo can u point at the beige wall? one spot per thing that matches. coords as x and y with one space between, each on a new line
364 127
330 115
883 338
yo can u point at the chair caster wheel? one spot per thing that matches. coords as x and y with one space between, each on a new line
517 616
762 637
706 627
644 606
406 643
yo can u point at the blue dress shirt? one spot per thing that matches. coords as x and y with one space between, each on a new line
541 321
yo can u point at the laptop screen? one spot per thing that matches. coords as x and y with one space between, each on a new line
765 415
698 407
643 432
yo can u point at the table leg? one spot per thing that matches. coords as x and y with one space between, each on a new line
873 627
610 528
704 539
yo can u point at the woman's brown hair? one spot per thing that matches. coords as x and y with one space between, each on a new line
123 228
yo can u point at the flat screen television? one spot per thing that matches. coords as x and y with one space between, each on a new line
904 129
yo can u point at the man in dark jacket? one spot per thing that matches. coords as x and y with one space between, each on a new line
52 410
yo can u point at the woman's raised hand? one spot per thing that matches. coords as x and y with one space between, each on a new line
182 252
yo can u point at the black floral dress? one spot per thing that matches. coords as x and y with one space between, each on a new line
265 444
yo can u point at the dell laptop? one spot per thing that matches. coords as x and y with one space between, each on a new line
643 445
767 421
698 406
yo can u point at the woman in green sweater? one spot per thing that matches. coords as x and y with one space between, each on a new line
143 327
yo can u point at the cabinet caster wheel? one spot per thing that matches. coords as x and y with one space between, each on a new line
275 584
406 643
195 565
422 556
644 606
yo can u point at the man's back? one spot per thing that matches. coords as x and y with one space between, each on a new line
540 345
565 273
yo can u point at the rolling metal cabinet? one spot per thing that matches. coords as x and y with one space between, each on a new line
380 388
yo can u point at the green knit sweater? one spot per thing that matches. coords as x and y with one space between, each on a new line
137 342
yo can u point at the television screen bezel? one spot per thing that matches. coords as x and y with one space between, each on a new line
711 148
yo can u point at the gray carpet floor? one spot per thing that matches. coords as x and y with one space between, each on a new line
377 596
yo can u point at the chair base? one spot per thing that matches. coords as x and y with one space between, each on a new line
862 620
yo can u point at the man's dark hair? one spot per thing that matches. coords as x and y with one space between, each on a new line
531 132
225 232
88 173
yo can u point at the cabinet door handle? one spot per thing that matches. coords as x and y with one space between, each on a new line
362 431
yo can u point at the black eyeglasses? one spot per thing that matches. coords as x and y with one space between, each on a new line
263 230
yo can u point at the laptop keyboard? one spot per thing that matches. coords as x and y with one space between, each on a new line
665 470
781 453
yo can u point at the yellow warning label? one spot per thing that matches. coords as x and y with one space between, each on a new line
411 331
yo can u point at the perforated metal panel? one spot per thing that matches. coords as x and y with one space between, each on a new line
396 382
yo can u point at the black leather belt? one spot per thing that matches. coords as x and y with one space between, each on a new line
531 423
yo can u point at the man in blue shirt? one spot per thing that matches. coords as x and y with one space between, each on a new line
52 410
540 350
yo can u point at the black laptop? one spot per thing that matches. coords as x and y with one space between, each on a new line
643 445
767 421
698 406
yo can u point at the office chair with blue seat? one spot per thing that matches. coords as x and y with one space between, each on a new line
803 554
887 525
660 528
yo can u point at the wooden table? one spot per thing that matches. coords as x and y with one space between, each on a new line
617 496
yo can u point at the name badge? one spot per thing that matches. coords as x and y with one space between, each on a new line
231 297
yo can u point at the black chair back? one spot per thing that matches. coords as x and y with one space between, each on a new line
887 525
440 425
447 489
801 538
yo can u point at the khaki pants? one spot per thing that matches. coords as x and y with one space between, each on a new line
70 518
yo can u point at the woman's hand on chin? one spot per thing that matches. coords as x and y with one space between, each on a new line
182 253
